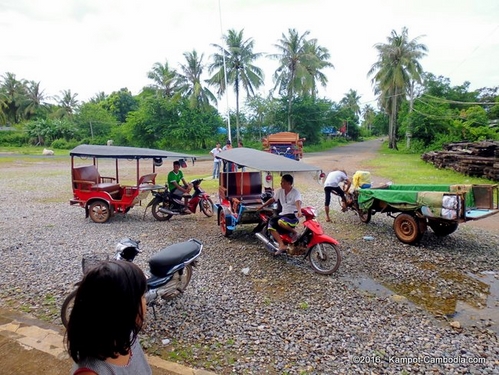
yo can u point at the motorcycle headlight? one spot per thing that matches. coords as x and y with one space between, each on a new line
125 243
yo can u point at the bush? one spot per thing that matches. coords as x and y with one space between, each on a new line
13 138
62 144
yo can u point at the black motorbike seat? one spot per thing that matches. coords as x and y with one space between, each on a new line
172 255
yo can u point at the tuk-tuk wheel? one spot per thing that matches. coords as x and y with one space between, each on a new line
223 224
99 211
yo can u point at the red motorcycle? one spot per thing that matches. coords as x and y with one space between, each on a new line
164 205
322 250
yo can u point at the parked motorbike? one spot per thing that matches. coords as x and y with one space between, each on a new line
164 205
170 270
322 250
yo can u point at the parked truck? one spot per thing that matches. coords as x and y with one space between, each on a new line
287 144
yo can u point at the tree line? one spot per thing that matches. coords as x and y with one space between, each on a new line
178 109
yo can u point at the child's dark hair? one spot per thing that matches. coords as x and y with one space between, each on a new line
107 314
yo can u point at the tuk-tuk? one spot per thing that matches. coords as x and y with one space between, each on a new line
104 195
246 182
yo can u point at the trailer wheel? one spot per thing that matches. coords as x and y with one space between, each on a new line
407 228
441 228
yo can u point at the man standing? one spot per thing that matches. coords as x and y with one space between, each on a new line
216 161
331 184
290 201
229 167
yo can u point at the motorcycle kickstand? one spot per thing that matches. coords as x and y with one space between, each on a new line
154 310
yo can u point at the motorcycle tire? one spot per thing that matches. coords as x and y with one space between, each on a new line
182 281
67 307
364 216
206 206
325 258
158 215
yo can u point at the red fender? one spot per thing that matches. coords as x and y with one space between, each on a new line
320 238
318 233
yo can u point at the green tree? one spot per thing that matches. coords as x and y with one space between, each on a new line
67 104
368 115
300 64
351 101
13 92
120 104
317 59
190 83
234 64
94 122
397 66
165 79
33 103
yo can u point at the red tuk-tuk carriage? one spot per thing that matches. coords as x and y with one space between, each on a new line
103 196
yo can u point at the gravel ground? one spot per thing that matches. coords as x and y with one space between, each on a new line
280 317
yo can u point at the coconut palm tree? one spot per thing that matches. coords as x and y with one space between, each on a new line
165 79
351 101
190 83
397 65
34 100
235 60
316 60
300 64
368 115
13 92
68 103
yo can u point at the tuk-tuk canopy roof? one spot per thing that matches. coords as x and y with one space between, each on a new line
122 152
264 161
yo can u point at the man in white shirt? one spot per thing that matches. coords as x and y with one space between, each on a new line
331 184
288 219
216 161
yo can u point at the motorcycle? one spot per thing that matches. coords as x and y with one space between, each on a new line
170 270
321 249
164 205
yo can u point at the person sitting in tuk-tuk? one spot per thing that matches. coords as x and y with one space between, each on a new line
176 190
289 199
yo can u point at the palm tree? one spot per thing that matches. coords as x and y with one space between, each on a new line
316 60
397 65
68 103
98 97
236 60
190 81
3 106
351 101
13 92
368 115
165 79
34 99
301 62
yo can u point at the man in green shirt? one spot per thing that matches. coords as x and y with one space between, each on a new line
176 189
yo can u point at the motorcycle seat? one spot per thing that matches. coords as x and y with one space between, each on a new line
161 262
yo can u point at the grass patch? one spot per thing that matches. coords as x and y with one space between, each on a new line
402 167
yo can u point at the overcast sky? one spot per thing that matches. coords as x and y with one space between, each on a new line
89 46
